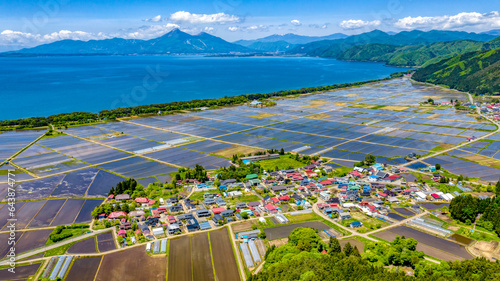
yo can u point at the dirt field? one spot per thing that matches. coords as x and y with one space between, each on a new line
84 269
22 272
263 115
230 151
386 235
200 253
433 252
353 242
225 265
243 226
285 230
488 250
278 242
86 246
132 264
179 259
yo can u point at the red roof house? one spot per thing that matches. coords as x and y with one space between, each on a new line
218 210
141 200
117 214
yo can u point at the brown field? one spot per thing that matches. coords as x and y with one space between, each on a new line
385 235
350 95
86 246
225 265
278 242
179 259
317 103
242 226
22 272
319 116
132 264
395 107
490 250
200 253
263 115
84 269
354 242
230 151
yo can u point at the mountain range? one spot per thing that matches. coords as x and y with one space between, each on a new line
178 42
174 42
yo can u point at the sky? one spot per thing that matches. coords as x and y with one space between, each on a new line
31 23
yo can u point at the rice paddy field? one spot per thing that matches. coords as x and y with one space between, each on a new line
383 119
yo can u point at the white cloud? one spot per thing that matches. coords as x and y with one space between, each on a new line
209 29
295 22
251 28
154 19
17 39
146 32
220 18
357 24
458 21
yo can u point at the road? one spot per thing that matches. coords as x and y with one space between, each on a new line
464 144
55 245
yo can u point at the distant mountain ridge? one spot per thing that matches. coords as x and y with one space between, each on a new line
178 42
414 55
334 48
173 42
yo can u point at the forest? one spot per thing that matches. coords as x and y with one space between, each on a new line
306 257
467 208
474 72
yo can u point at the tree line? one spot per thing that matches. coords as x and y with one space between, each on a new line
171 107
467 208
306 257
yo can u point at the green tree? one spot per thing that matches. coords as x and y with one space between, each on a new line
334 246
348 249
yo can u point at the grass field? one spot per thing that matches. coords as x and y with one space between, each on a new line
284 162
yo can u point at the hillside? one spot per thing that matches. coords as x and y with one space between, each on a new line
474 72
174 42
335 48
413 55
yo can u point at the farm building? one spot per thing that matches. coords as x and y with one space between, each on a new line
158 232
205 225
344 216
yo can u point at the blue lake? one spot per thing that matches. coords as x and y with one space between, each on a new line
41 86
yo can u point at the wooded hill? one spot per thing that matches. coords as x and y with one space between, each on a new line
475 72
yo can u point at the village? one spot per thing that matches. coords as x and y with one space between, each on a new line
364 197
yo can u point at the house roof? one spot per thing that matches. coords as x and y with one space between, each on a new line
117 214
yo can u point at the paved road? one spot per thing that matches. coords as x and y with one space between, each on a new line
464 144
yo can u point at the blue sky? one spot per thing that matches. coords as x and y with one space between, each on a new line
29 23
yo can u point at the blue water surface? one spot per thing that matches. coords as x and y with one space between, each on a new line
41 86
